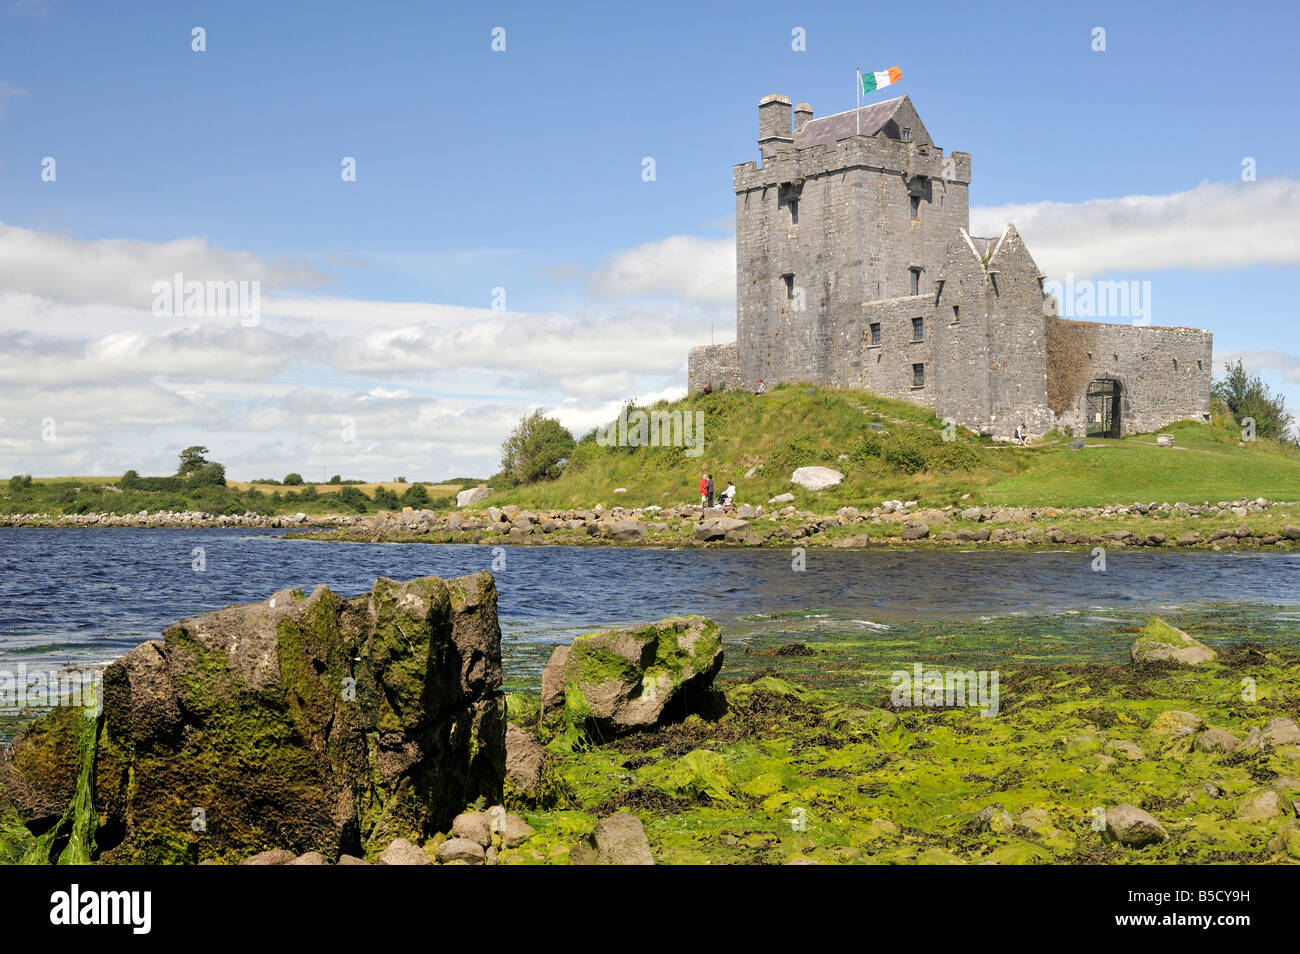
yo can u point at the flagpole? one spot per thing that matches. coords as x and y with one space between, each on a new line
857 113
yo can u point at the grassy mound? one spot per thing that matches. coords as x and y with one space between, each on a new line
905 456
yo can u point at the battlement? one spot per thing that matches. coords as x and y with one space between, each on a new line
875 153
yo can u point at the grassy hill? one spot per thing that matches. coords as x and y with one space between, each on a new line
908 459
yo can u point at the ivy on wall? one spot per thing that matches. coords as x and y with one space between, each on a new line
1069 369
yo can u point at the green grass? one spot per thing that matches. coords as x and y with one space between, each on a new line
789 427
1206 463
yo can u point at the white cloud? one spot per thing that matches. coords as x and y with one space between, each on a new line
122 272
683 267
1213 226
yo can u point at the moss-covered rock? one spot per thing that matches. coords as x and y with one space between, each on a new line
302 722
622 680
1158 642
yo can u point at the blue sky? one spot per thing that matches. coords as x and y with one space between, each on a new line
521 170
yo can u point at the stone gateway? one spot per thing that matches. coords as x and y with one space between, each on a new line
855 268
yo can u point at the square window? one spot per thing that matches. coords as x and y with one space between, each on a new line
914 278
918 329
918 375
875 332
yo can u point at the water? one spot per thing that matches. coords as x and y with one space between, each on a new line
83 597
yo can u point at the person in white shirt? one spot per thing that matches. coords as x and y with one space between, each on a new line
729 494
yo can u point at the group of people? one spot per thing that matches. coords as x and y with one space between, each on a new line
706 492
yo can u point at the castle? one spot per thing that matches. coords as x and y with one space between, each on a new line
855 268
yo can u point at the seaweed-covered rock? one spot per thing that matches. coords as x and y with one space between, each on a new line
1130 825
622 680
617 840
1158 641
302 723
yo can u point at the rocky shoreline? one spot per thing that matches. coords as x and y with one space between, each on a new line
1257 524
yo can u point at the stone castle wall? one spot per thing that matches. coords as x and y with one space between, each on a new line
1164 374
714 365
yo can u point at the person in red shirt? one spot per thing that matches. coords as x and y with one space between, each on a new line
704 490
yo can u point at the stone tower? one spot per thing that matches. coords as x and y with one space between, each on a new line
831 219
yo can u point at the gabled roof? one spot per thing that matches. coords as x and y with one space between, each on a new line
984 246
828 130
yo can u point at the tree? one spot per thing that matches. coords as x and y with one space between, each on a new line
292 480
1248 396
336 479
415 497
192 460
536 449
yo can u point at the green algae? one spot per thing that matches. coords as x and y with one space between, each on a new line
809 766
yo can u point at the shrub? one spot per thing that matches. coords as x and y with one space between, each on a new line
292 480
536 450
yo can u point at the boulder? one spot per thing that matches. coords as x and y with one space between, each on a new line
916 530
622 680
461 850
313 722
310 858
1175 723
476 826
276 856
467 498
402 852
617 840
1159 641
516 832
1217 740
717 528
1263 803
1164 440
626 531
816 478
524 758
1131 826
782 498
1281 731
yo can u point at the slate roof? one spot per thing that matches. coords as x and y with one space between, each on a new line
828 130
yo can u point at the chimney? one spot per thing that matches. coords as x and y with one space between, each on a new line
774 135
802 114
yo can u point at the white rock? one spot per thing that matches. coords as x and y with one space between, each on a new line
816 478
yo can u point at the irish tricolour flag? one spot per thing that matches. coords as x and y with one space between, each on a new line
874 81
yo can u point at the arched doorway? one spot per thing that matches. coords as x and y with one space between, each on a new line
1101 408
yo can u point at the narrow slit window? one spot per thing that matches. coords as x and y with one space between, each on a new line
918 375
956 314
918 329
914 279
916 208
789 285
